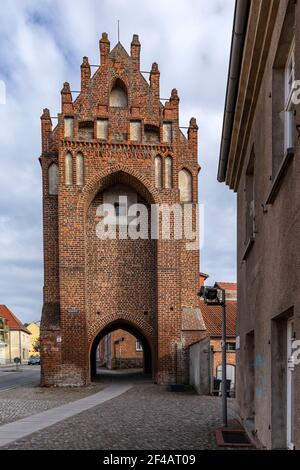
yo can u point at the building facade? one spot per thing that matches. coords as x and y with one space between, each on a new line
120 350
34 329
15 338
212 316
3 340
117 144
260 160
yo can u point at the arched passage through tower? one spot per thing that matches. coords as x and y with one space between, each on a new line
133 330
121 271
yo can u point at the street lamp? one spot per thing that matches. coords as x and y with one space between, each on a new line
211 296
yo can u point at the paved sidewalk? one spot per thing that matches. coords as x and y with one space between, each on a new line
147 416
31 424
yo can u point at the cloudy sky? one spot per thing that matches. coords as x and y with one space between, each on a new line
42 43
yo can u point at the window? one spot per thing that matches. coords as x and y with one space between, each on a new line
86 130
168 172
79 169
138 345
167 132
158 172
69 127
120 209
250 201
3 331
53 178
120 198
2 323
230 347
2 336
69 169
185 186
289 106
230 375
283 122
135 131
151 134
102 129
118 95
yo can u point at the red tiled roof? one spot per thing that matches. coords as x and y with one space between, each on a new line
12 321
227 285
212 316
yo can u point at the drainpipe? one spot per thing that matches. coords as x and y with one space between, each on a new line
241 15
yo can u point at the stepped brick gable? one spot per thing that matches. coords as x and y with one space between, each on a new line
116 139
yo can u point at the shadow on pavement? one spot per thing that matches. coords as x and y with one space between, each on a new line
122 375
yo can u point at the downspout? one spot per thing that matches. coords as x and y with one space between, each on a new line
241 14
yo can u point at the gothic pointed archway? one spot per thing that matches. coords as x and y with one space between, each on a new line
130 328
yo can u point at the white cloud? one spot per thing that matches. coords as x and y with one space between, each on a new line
42 43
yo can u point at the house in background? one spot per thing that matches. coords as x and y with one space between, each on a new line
260 161
206 355
120 350
230 289
212 316
34 329
3 339
18 342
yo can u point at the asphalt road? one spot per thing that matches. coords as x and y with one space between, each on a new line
11 379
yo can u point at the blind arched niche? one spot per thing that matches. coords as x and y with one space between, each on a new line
118 96
185 186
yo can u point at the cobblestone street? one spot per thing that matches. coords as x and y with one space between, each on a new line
146 417
28 400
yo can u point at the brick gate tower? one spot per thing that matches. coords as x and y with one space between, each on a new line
117 144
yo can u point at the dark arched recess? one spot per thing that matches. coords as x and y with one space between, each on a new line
123 325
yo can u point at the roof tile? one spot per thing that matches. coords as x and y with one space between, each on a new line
13 322
212 316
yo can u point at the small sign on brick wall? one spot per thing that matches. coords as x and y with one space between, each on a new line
73 311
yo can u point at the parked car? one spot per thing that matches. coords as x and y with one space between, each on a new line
33 360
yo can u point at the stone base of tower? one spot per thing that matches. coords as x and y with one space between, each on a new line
64 375
54 372
65 366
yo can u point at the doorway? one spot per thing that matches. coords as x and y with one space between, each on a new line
120 349
290 384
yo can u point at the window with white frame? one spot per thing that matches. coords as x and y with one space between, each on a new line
289 105
230 346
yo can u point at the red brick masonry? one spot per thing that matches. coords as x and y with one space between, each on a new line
147 287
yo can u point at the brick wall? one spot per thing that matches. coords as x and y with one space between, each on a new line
90 285
118 350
